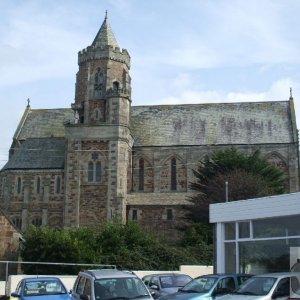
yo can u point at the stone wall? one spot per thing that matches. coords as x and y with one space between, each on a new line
9 241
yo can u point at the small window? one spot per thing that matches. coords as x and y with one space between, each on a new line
17 222
169 214
58 185
116 85
98 171
38 185
19 185
134 214
37 222
173 175
90 171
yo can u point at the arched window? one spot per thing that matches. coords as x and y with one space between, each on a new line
116 85
17 222
141 174
37 222
94 169
58 185
98 85
90 171
38 185
98 171
173 175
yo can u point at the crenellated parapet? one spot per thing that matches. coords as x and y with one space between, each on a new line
124 93
104 52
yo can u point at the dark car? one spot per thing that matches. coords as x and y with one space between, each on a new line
164 284
208 286
41 288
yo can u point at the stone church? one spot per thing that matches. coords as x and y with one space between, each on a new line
106 160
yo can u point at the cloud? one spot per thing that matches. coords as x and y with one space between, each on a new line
279 90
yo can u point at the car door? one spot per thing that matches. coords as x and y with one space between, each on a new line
78 287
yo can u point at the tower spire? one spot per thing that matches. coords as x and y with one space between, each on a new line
105 35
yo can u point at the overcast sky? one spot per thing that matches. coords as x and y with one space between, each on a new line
191 51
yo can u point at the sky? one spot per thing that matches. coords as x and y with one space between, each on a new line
191 51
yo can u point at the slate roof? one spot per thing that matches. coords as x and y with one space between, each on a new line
212 124
43 123
105 36
165 125
44 153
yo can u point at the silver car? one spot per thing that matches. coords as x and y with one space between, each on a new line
262 287
164 284
110 284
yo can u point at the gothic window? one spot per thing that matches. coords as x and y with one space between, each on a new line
58 185
98 85
94 169
37 222
173 175
141 174
38 185
98 171
90 171
19 185
169 214
17 222
116 85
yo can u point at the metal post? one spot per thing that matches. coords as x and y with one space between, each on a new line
226 190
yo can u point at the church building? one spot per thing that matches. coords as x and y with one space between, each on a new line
106 160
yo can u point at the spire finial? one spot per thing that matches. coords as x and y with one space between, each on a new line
28 102
291 93
105 16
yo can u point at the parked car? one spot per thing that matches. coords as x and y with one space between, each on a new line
263 287
164 284
208 286
109 284
41 288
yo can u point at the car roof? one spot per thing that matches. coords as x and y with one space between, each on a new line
277 275
166 274
225 274
46 278
108 273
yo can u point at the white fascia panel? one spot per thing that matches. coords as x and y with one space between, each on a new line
267 207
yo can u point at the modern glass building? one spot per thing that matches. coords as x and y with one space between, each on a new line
256 236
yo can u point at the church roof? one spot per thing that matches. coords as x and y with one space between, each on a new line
213 124
38 153
43 123
105 36
41 131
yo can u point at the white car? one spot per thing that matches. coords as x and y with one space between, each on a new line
262 287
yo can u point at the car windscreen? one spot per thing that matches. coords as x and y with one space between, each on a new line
257 286
124 287
44 287
174 281
200 284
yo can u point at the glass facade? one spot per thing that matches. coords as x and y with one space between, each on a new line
262 245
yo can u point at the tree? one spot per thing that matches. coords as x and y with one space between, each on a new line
247 177
125 245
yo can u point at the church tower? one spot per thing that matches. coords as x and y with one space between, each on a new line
99 140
